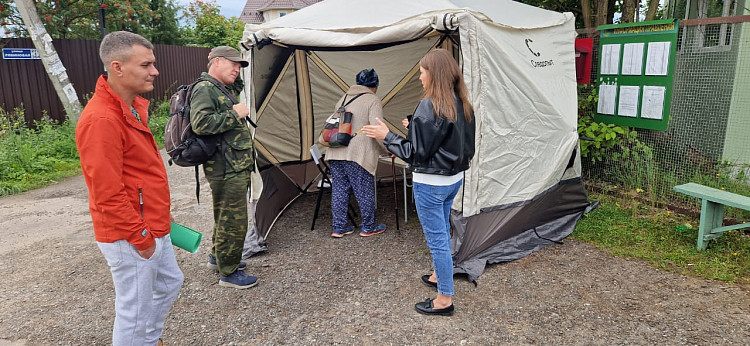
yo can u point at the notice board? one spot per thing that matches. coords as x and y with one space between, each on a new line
636 65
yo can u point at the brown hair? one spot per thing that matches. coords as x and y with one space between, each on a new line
118 45
445 79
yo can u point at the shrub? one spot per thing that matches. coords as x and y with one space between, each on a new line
601 141
157 121
34 156
37 155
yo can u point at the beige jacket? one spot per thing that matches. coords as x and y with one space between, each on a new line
362 149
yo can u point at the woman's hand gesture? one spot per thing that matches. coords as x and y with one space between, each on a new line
378 131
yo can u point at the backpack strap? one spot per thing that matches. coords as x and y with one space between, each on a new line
343 104
197 186
229 94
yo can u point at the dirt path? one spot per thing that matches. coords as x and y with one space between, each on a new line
313 289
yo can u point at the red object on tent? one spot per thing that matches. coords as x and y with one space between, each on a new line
584 53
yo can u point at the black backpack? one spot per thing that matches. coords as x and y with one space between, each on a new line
183 146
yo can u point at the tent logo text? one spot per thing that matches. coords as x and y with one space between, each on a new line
544 63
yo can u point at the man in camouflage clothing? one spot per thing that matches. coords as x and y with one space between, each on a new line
212 112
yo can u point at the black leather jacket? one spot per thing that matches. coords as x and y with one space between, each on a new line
435 145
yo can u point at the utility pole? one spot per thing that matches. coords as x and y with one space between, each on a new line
102 18
50 59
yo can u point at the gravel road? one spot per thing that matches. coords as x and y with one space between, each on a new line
316 290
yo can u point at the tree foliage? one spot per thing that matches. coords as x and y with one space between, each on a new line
164 27
208 28
8 16
592 13
80 19
573 6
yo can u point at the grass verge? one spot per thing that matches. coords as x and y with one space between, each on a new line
628 228
41 154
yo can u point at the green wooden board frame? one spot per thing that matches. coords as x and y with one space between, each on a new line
664 30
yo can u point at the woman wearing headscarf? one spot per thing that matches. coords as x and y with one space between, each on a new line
438 148
353 166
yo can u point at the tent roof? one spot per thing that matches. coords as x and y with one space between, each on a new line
369 14
359 22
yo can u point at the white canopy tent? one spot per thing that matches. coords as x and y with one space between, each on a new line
523 189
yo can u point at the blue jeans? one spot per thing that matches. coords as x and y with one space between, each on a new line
434 210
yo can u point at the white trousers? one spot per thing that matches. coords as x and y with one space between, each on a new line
144 290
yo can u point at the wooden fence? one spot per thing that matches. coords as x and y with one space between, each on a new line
24 83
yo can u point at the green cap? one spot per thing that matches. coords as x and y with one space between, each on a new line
228 53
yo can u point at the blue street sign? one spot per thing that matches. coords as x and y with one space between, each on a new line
20 54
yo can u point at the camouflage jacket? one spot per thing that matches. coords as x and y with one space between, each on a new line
211 113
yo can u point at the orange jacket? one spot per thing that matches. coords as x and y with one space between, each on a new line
124 171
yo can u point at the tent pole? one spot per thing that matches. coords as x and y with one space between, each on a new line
304 99
395 192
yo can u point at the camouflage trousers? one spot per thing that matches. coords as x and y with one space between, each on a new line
230 219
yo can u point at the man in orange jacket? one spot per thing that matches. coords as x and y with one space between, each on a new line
128 190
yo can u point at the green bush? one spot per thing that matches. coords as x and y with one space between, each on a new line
35 156
601 141
158 117
619 161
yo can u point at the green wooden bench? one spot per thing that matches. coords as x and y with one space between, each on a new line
712 210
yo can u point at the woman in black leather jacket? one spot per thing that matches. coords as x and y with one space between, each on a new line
438 147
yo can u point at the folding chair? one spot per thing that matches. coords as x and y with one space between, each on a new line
325 184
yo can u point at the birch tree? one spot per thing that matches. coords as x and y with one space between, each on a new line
50 59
